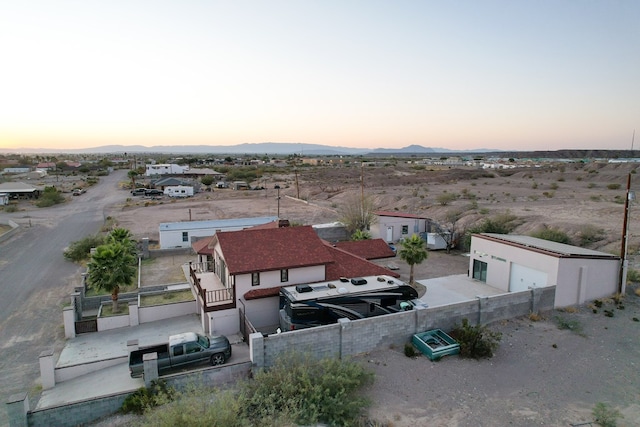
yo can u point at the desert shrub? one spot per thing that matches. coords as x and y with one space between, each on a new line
534 185
80 250
50 196
200 407
605 415
10 208
633 276
590 234
445 198
591 185
308 390
500 224
549 194
145 398
553 186
476 341
613 186
410 350
573 325
552 234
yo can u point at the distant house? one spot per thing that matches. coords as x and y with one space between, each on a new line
165 169
183 234
240 185
19 190
46 166
393 226
246 269
517 263
17 170
4 199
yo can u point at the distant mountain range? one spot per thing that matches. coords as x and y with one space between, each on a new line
268 148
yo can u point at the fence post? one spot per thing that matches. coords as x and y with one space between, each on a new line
256 349
68 316
346 345
482 308
134 315
17 409
47 369
150 362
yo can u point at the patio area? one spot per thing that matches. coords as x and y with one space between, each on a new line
453 289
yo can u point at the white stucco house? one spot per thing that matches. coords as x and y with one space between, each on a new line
243 271
394 226
183 234
514 263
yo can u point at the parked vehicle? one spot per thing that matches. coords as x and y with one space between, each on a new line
305 306
138 192
182 350
153 192
179 191
77 192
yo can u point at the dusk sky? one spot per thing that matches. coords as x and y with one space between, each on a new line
521 75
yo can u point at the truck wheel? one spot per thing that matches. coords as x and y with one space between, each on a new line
217 359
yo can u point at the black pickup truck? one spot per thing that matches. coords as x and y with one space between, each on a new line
181 350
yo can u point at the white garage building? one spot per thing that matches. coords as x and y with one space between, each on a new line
515 263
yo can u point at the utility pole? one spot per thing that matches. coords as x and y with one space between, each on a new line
624 262
277 187
297 187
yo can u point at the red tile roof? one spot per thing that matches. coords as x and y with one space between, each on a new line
252 250
343 264
399 215
201 246
262 293
346 264
367 249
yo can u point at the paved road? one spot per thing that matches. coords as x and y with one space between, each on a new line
35 281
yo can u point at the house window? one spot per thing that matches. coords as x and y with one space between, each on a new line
185 236
284 275
480 270
405 229
255 279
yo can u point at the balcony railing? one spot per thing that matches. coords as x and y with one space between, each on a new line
215 299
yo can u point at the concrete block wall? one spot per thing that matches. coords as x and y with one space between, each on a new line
210 376
322 341
77 413
348 338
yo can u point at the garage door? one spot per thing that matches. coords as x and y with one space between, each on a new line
523 278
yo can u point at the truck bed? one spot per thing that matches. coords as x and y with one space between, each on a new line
136 356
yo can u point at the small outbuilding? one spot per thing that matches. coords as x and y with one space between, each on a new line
394 226
515 263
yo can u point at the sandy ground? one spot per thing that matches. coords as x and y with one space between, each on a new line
540 375
529 381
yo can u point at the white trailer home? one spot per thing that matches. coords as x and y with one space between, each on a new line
178 191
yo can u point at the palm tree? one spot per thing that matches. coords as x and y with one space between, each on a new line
413 252
111 266
132 175
123 236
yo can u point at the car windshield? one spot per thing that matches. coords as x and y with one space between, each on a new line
203 341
